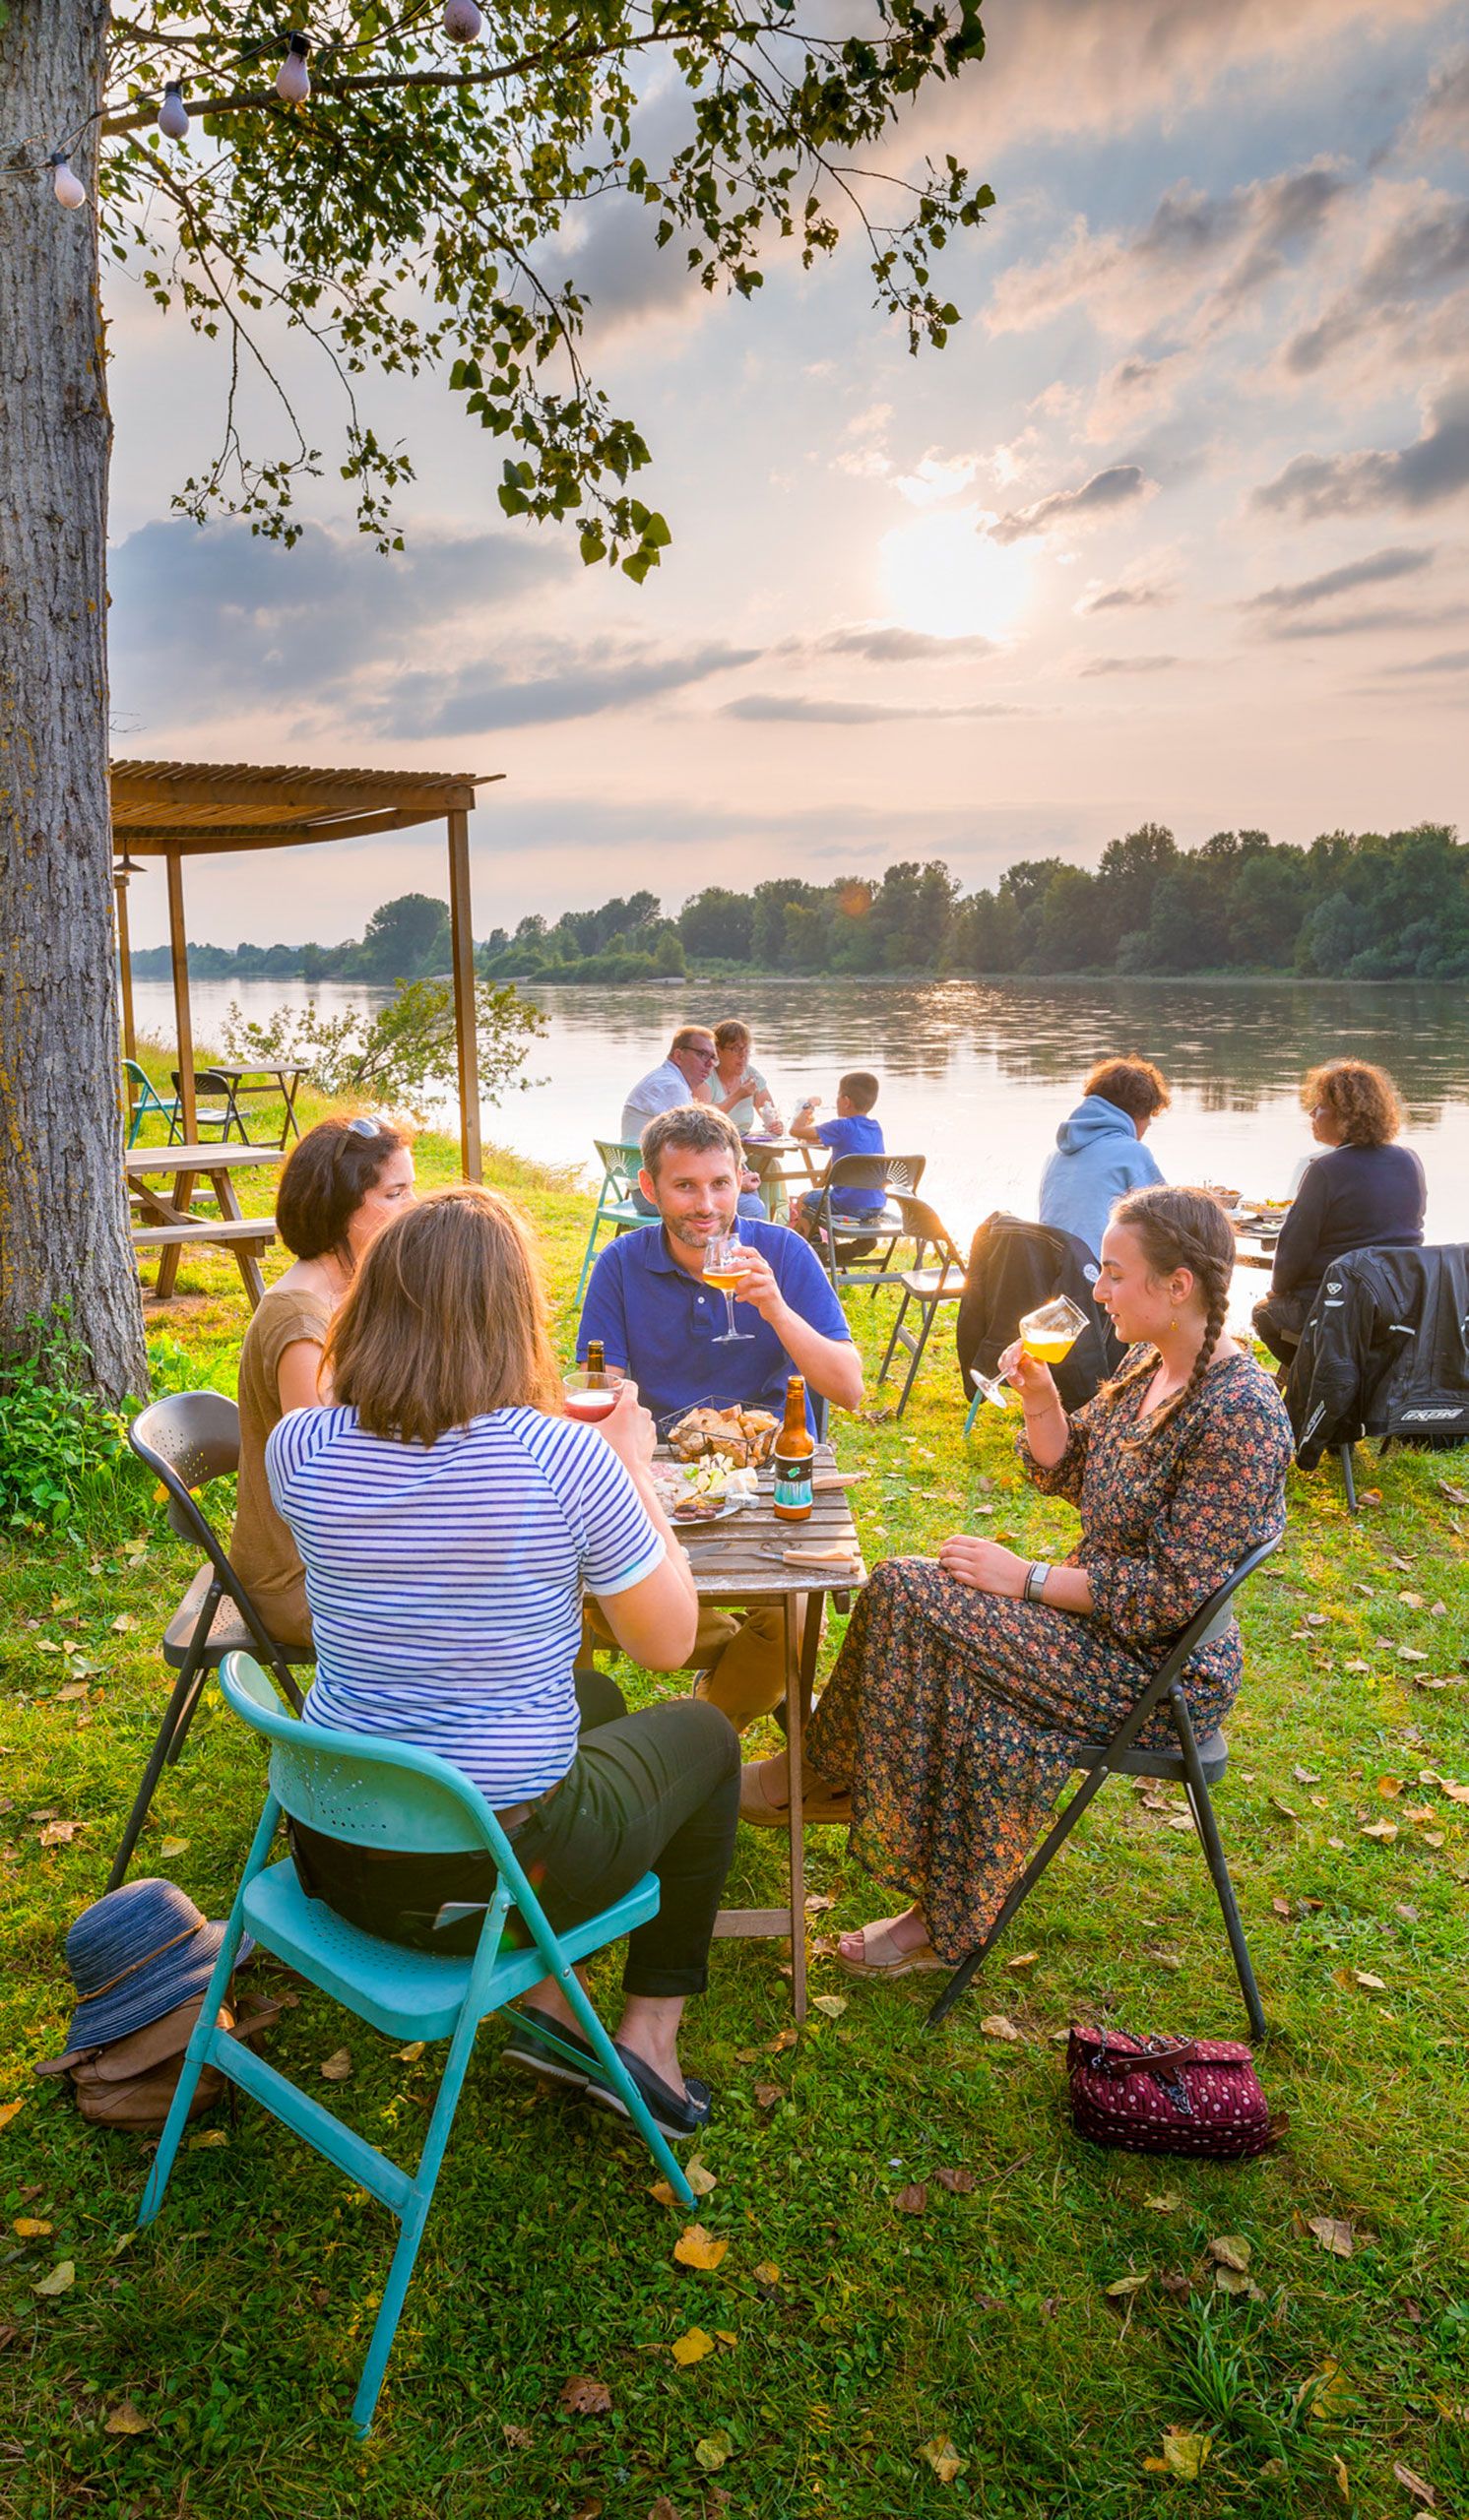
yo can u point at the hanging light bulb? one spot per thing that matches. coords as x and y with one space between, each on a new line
293 78
69 190
462 21
173 113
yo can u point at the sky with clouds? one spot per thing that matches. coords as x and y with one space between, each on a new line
1177 528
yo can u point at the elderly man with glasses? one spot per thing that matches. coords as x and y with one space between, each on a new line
682 1078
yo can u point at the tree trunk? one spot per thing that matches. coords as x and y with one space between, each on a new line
63 1212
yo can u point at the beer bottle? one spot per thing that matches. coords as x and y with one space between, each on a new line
596 1357
793 1457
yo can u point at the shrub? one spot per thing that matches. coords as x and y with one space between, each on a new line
57 1440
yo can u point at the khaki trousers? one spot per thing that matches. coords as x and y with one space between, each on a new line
743 1656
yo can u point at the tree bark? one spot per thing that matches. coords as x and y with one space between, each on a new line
63 1208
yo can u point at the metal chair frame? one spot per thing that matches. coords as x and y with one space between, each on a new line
620 1159
1195 1765
185 1440
890 1174
210 1080
369 1790
928 1289
149 1100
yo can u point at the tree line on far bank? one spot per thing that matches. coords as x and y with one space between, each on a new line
1351 905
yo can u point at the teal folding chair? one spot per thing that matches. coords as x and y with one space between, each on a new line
376 1793
620 1159
140 1084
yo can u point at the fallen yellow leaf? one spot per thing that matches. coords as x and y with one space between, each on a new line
697 2248
1023 1960
1373 1986
1167 2203
175 1846
1184 2453
409 2054
713 2451
27 2228
943 2458
336 2067
1391 1786
1337 2237
1125 2286
700 2180
692 2347
997 2025
1231 2250
213 2139
61 2280
9 2109
126 2419
765 2273
832 2005
1343 2480
1384 1830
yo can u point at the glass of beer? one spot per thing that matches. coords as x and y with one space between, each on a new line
1048 1334
591 1395
726 1261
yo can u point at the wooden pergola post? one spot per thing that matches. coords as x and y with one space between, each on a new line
178 955
121 876
465 1030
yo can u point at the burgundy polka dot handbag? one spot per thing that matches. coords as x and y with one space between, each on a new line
1197 2096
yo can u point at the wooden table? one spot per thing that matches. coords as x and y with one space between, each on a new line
770 1158
1263 1239
732 1569
168 1221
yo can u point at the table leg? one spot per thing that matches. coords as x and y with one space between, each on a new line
290 1083
794 1725
168 1260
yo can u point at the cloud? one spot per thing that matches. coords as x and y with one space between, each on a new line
1382 616
1424 474
1096 500
1442 119
1379 566
211 621
1423 253
1139 597
1131 665
1452 660
887 645
476 700
794 709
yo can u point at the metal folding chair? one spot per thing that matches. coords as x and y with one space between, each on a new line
884 1227
376 1792
186 1440
1195 1764
227 1118
615 1205
928 1289
141 1098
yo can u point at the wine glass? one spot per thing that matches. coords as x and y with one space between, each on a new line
1048 1334
592 1396
726 1261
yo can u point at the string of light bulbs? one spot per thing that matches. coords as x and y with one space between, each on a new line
461 21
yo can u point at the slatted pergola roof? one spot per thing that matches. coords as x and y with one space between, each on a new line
178 809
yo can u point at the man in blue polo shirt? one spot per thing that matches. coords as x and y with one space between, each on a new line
657 1319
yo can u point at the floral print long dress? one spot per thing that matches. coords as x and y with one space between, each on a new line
952 1712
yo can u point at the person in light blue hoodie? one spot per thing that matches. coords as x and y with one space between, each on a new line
1099 1150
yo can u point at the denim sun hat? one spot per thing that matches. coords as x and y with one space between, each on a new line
135 1955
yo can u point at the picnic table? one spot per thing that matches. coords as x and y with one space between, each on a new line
1256 1233
241 1083
771 1158
739 1562
167 1220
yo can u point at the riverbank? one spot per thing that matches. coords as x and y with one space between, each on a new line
920 2250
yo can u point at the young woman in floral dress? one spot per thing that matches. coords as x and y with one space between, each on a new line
944 1734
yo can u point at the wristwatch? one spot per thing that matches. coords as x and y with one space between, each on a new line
1035 1580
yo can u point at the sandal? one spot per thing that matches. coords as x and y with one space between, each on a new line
829 1807
899 1964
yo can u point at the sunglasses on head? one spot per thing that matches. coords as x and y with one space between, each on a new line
363 1127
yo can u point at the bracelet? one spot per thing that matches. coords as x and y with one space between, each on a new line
1035 1580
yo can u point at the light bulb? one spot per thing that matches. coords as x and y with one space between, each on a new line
69 190
293 78
173 113
462 21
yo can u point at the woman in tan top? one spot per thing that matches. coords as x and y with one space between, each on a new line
339 1187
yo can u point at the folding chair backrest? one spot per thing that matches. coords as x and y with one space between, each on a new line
1217 1612
620 1159
892 1172
186 1440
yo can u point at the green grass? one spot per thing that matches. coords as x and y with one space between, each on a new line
237 2326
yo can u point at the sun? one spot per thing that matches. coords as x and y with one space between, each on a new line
945 579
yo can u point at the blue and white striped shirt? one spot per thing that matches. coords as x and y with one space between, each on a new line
445 1583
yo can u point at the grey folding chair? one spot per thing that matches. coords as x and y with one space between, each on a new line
1195 1764
926 1288
883 1227
186 1440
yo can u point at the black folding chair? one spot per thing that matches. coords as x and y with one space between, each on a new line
186 1440
884 1225
226 1116
926 1288
1195 1764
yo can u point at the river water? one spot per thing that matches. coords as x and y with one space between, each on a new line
976 1077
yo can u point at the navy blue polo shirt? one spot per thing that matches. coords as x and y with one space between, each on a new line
659 1324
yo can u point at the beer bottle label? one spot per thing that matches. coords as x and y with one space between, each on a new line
792 1484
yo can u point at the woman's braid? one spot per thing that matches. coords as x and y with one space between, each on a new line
1179 1230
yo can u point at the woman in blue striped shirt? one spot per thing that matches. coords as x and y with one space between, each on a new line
449 1515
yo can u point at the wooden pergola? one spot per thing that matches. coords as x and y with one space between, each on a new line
178 809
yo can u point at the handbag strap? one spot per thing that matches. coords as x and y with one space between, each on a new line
1118 2062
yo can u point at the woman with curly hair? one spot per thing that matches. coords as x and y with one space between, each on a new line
946 1733
1365 1191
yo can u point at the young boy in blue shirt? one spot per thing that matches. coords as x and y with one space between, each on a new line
854 1131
